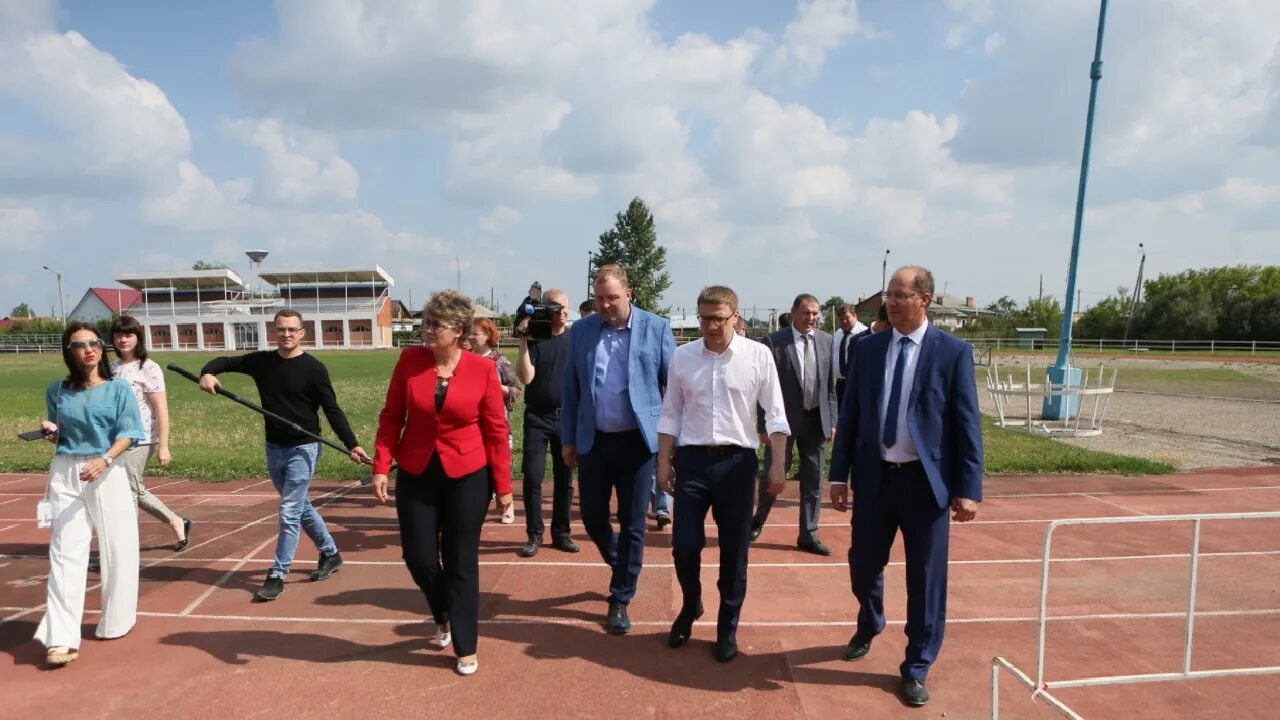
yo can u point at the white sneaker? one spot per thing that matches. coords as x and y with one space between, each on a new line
443 638
469 668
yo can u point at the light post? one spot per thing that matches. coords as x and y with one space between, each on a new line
62 306
1063 407
884 269
1137 295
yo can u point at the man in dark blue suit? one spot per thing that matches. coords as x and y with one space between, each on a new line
613 383
909 440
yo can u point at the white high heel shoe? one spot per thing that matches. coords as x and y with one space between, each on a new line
443 637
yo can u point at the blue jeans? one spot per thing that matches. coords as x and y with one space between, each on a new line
659 501
290 468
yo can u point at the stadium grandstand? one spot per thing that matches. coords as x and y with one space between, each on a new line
343 307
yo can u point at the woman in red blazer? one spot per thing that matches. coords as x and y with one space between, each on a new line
445 423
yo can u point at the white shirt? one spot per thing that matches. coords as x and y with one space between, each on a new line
835 347
799 348
905 449
143 378
711 398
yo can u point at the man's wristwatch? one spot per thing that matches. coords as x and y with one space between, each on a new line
106 458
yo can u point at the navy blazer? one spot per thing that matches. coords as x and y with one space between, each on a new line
652 346
942 417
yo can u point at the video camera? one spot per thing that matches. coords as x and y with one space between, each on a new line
533 317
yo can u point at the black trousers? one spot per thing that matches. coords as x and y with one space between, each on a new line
541 430
722 480
806 439
440 521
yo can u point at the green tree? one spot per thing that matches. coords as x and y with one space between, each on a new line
1106 319
829 310
1042 313
632 242
22 311
206 265
1004 308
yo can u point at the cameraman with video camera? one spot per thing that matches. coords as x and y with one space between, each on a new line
544 349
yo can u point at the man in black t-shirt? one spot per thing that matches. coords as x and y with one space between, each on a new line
293 385
540 366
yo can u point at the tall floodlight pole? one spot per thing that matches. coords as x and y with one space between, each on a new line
1061 407
884 269
62 305
1137 293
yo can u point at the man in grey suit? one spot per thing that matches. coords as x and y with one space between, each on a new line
802 354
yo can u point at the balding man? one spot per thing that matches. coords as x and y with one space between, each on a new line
540 366
909 443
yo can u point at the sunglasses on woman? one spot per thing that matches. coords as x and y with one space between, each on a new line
84 344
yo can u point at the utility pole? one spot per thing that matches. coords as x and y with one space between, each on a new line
884 269
1137 293
1061 407
1040 295
62 305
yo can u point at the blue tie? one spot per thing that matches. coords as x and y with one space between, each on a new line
895 395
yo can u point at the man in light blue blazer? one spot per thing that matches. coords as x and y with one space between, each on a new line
613 384
909 446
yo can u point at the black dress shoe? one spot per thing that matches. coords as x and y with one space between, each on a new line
95 565
814 546
914 693
327 566
186 536
756 528
725 650
858 648
270 589
663 522
618 622
531 546
682 628
565 544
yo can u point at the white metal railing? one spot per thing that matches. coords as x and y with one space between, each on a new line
1210 346
1040 687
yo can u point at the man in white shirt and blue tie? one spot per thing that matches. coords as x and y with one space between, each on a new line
707 442
909 447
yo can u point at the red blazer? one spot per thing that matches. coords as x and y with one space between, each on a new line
469 432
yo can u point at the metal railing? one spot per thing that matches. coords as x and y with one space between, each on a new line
1040 687
1210 347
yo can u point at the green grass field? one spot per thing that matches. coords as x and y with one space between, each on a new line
215 439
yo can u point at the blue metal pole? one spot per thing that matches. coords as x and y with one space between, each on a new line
1060 408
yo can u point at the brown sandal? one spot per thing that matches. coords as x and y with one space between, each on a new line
58 656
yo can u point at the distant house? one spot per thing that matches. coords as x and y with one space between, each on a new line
866 308
103 303
960 310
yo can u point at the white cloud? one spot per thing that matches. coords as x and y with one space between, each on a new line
819 27
112 133
993 43
19 226
499 220
201 204
299 167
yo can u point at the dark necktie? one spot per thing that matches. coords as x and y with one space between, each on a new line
810 374
895 395
844 354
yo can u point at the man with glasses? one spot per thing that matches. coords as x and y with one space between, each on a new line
802 353
293 385
707 440
909 448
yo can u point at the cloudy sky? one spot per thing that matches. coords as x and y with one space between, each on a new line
783 146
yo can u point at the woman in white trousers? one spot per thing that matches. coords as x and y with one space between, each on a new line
93 420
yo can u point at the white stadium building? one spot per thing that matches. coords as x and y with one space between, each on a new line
342 307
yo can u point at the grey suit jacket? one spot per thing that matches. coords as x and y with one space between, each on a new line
782 344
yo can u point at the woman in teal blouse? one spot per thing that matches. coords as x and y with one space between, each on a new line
92 420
